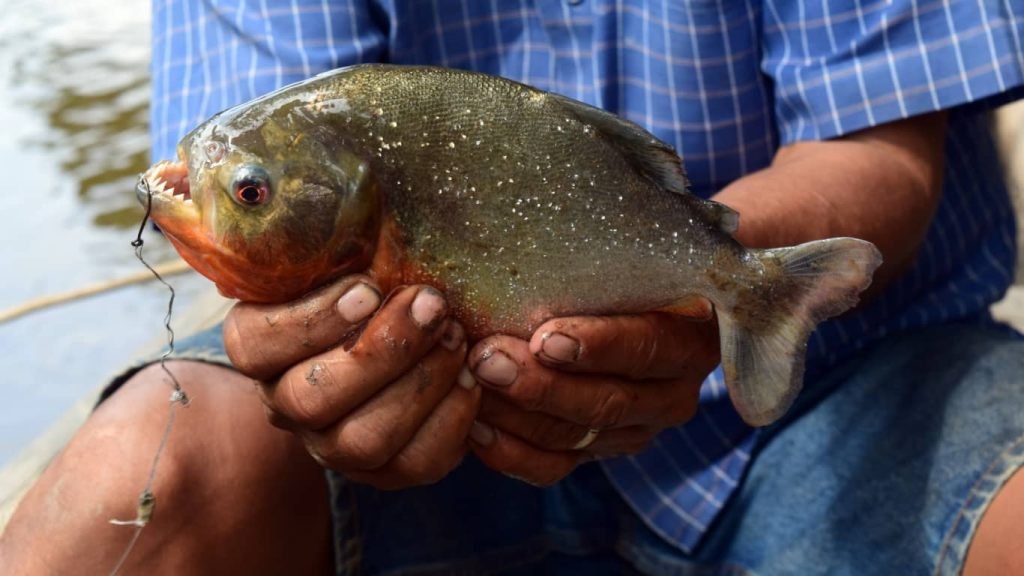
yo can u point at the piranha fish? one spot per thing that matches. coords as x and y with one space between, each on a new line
521 205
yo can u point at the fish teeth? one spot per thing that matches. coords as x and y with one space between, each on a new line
163 188
156 183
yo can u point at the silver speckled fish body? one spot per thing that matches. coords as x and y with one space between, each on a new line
522 205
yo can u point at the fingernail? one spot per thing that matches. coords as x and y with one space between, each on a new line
481 433
466 379
358 303
427 308
560 348
453 336
497 368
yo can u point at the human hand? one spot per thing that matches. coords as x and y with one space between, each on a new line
383 410
625 378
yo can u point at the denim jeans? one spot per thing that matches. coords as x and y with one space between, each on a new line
884 466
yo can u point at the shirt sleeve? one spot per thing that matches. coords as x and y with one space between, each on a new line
838 66
209 56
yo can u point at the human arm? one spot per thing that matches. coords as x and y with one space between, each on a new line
882 184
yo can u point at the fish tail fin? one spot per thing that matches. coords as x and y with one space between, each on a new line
764 335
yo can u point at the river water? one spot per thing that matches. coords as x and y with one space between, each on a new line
74 92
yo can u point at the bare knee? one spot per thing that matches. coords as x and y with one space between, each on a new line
997 547
224 476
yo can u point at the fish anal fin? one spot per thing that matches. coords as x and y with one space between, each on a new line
694 307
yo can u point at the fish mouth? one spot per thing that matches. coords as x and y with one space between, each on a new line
166 180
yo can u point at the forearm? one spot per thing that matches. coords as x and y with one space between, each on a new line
882 185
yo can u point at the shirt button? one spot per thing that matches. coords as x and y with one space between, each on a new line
574 2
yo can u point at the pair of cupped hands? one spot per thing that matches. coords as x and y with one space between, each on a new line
403 402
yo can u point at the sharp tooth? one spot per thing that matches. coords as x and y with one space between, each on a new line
160 187
188 202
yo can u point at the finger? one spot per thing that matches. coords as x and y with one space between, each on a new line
436 449
278 421
554 434
375 432
541 430
641 346
513 457
263 340
505 366
317 392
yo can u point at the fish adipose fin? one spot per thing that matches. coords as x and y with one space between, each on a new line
727 219
764 336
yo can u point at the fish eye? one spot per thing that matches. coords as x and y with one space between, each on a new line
251 186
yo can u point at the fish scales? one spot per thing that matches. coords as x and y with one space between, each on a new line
523 211
521 205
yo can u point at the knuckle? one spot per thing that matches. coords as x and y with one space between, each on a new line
611 407
385 344
329 453
531 393
419 470
644 357
315 448
239 354
275 419
362 447
299 401
420 467
555 434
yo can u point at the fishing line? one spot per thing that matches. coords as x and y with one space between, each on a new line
147 500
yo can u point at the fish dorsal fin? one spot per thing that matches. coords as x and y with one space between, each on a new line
651 157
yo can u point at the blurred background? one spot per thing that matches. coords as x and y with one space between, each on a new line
74 90
73 111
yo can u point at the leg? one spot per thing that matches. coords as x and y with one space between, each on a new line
892 471
234 495
895 471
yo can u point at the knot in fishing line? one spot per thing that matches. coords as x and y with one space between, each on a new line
180 397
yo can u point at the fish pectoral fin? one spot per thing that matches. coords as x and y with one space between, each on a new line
764 340
693 307
644 151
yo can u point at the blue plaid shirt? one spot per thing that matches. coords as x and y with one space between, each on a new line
725 81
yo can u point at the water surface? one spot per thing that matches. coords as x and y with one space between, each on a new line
74 93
